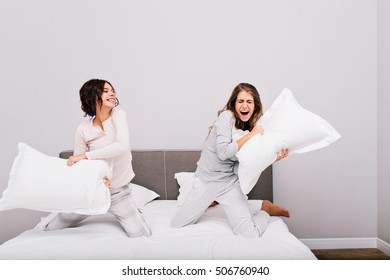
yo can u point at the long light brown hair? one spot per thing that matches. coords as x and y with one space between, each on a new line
231 105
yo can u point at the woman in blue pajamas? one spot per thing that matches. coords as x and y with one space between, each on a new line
216 176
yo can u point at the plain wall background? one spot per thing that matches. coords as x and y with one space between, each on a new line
174 64
383 120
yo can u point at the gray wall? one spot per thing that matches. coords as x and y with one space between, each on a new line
174 64
383 120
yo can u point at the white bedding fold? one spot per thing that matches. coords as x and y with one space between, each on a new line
101 237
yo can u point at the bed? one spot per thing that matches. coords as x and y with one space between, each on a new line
101 236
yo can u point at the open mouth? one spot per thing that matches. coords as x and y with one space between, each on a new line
112 100
244 113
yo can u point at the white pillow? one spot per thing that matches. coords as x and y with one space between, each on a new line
184 179
142 195
286 125
44 183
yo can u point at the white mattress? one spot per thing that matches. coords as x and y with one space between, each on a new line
101 237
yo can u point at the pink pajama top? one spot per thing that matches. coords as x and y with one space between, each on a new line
111 144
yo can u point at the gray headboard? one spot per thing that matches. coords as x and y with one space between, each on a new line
155 169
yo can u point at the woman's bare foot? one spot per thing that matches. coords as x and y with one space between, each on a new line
273 209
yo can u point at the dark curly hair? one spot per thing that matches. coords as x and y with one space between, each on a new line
231 105
91 94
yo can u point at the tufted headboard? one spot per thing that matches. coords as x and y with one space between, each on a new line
155 169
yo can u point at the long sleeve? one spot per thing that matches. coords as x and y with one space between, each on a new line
110 144
121 142
80 146
225 146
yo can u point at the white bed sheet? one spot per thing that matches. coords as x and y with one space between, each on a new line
101 237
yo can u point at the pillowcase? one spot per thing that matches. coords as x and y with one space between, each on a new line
44 183
184 179
287 125
142 195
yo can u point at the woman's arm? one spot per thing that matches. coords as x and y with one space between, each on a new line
118 147
73 159
80 147
121 143
225 147
257 129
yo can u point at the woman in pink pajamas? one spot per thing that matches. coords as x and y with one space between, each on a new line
105 136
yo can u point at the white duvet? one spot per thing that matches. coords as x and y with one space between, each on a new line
101 237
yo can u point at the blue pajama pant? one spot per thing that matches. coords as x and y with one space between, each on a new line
230 198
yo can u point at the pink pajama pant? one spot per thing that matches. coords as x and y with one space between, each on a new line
122 207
